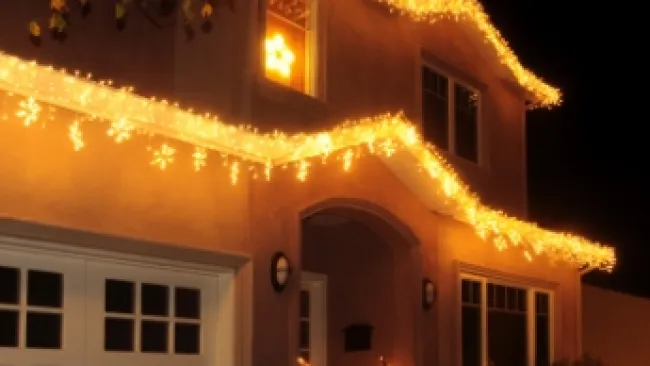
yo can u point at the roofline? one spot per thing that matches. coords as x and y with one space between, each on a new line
542 94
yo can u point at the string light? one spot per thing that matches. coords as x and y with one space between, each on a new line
121 130
471 10
76 136
200 156
163 156
383 135
29 111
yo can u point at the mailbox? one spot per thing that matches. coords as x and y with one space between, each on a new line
358 337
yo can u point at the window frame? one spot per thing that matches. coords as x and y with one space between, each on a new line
314 66
316 285
452 81
531 290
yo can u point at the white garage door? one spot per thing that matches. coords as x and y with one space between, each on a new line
82 311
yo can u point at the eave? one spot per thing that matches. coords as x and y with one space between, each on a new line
391 137
471 11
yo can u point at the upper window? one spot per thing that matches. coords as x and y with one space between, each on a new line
502 325
450 114
291 44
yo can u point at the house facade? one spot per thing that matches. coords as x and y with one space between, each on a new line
140 231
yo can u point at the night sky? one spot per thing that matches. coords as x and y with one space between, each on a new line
586 159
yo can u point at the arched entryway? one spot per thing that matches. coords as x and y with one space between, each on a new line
361 270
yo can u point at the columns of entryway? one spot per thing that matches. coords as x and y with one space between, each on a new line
275 315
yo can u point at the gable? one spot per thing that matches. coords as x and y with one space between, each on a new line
471 13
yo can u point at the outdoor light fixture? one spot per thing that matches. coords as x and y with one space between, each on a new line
280 271
428 294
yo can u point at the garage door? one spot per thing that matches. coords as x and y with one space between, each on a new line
82 311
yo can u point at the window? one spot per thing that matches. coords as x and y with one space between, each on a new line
40 299
503 324
450 114
168 318
305 340
291 44
312 328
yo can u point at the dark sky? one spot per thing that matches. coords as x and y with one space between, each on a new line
587 159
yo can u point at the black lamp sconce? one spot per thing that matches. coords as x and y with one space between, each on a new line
280 271
428 294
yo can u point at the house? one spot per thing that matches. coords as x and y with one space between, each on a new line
138 231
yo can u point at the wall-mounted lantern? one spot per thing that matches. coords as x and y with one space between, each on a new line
280 271
428 294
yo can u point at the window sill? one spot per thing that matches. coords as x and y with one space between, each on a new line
289 97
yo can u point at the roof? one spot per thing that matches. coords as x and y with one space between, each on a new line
385 135
544 95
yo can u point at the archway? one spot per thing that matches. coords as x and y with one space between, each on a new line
366 264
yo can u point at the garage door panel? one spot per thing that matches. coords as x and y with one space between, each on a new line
148 315
38 309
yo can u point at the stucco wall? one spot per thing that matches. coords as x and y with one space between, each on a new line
616 327
441 245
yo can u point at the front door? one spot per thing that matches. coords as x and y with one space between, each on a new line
313 313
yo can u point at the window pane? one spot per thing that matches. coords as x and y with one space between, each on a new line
507 338
304 304
289 47
153 337
8 328
542 330
155 300
9 285
471 323
187 338
44 330
119 334
542 341
541 303
500 296
304 334
466 118
522 301
435 108
44 289
188 303
119 296
511 299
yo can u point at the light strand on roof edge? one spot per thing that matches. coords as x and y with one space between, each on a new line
128 114
432 10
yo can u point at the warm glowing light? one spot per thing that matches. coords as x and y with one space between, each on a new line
76 135
121 130
279 57
234 173
249 151
471 10
163 156
200 156
301 361
29 111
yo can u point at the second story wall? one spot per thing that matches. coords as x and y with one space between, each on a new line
365 61
370 61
